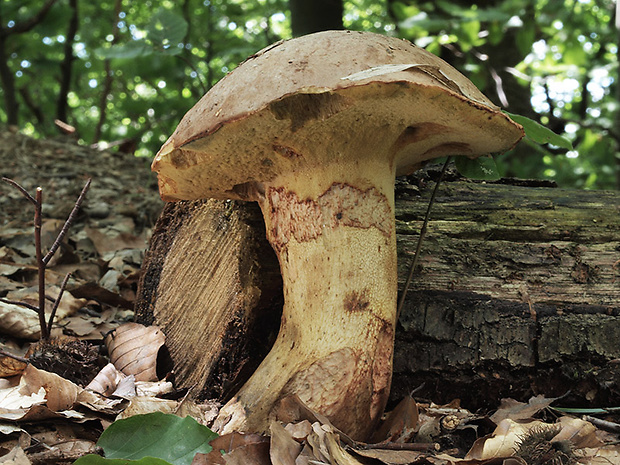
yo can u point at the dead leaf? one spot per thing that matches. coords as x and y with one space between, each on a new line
109 241
133 349
21 322
284 449
605 455
581 433
400 424
392 457
510 408
106 380
10 367
60 393
236 449
17 456
12 399
502 442
143 405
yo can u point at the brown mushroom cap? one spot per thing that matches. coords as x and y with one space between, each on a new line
335 96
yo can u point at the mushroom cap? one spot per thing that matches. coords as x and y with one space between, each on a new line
337 97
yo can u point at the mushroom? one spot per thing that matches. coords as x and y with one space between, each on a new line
315 129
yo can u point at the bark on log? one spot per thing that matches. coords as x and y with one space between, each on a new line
516 292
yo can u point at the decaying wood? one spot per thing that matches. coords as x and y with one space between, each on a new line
517 288
201 285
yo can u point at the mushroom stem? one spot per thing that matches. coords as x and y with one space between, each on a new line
337 251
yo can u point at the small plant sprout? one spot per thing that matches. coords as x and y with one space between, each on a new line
43 260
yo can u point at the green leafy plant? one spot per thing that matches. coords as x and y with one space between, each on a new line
539 133
163 34
153 438
485 168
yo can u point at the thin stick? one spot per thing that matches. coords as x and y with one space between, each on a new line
40 262
401 302
21 304
13 356
21 189
57 302
67 225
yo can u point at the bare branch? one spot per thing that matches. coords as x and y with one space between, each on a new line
21 189
57 303
67 225
21 304
28 24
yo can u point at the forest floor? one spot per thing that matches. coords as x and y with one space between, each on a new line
104 248
103 251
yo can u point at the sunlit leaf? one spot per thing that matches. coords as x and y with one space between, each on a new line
133 49
167 437
483 168
539 133
166 28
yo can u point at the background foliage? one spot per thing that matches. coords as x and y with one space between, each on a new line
127 71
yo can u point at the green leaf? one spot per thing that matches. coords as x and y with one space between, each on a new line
483 168
166 29
526 35
92 459
168 437
130 50
539 133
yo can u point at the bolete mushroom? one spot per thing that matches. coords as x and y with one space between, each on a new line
315 129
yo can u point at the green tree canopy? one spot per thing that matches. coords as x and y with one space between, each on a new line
117 70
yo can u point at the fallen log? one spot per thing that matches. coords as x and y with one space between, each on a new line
516 292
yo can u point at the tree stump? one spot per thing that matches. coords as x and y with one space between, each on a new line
516 293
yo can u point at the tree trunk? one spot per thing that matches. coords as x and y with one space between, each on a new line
315 16
516 292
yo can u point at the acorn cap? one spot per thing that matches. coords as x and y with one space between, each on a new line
335 97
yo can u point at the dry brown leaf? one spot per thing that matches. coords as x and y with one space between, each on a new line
284 449
317 443
581 433
12 399
106 380
109 241
300 430
501 443
393 457
23 323
17 456
338 454
153 388
133 350
64 452
61 394
10 367
238 449
99 404
514 410
143 405
400 424
605 455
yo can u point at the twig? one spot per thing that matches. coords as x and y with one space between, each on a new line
21 304
40 263
605 425
422 446
57 302
401 302
21 189
42 260
13 356
67 225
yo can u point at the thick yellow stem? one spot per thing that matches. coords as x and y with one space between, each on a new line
337 256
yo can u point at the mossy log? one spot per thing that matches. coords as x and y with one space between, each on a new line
516 292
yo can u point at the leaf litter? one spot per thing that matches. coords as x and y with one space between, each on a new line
46 418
